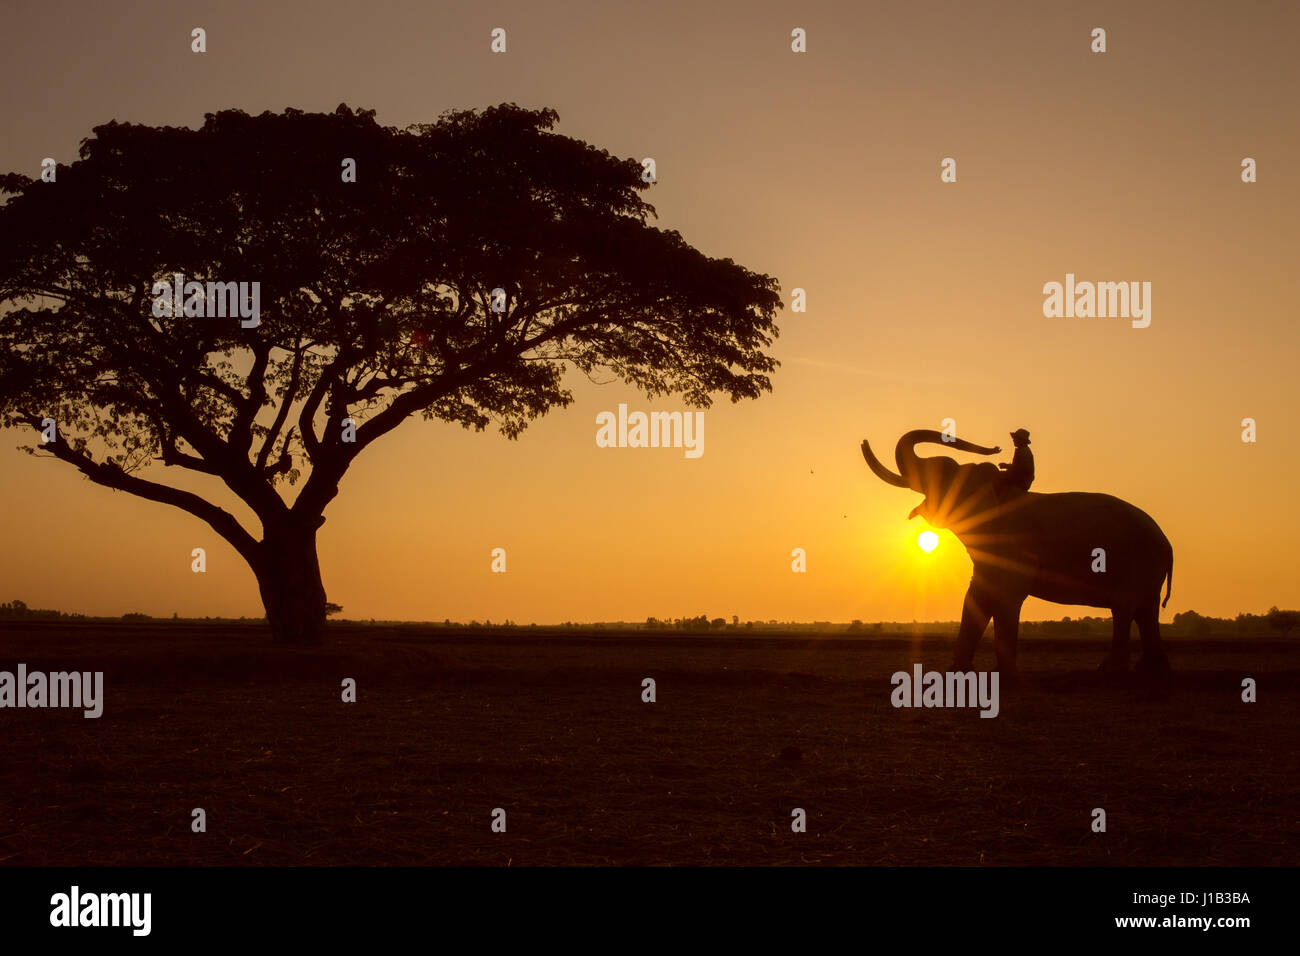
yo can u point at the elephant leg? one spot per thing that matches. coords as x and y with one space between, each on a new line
1006 629
975 614
1117 660
1153 661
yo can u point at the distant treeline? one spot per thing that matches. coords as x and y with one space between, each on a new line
19 611
1186 623
1274 623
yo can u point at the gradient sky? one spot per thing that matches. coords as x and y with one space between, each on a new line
822 169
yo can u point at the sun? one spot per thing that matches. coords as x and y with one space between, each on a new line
927 541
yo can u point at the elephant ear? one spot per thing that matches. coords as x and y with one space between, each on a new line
988 475
982 478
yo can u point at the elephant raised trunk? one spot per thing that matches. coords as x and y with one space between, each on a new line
880 471
913 469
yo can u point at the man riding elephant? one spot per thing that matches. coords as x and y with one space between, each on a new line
1020 473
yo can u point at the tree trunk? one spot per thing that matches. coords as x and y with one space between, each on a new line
288 576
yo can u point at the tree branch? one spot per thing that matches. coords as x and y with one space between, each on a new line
111 476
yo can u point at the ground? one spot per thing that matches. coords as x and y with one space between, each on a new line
550 726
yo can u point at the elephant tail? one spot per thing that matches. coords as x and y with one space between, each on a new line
1169 579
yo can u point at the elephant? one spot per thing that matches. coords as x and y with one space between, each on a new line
1069 548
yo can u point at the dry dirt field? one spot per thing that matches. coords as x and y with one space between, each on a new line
550 726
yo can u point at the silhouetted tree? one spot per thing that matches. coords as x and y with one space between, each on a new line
1282 621
700 623
1192 623
377 303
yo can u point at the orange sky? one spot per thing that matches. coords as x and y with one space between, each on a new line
924 299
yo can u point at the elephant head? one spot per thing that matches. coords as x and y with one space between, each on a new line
959 497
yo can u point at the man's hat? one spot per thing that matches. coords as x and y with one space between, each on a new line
1020 433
